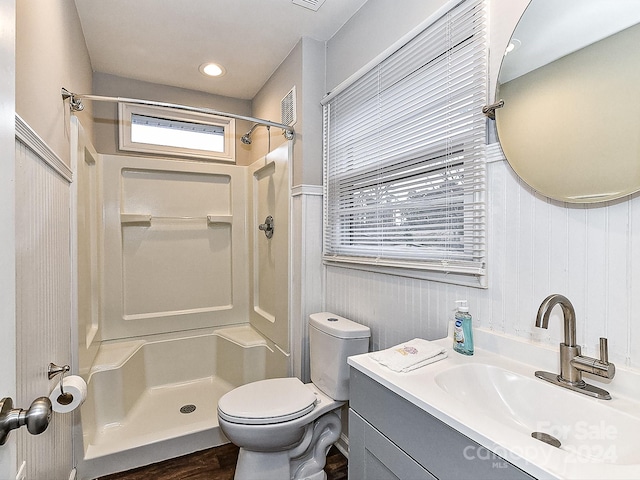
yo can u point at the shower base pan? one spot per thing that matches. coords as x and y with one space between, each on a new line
153 400
157 429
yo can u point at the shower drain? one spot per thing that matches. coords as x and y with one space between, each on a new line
190 408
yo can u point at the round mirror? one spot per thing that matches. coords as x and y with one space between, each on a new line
570 82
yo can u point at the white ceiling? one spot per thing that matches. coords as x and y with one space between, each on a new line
165 41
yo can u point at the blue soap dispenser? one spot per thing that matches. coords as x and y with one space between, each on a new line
462 331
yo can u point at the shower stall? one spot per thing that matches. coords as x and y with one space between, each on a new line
182 295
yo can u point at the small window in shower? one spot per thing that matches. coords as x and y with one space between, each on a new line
168 131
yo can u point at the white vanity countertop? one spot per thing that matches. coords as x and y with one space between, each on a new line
510 440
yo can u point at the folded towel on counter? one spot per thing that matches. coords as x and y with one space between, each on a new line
410 355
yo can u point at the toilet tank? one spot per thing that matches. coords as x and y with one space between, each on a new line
332 339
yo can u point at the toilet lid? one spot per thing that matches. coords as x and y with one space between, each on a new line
267 401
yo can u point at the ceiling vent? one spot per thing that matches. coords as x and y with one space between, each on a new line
310 4
288 107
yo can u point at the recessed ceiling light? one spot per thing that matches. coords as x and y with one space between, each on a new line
212 69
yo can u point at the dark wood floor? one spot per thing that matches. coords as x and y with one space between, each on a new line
217 463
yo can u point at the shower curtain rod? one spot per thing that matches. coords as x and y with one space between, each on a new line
75 104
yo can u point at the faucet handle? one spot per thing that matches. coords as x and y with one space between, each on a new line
600 367
604 350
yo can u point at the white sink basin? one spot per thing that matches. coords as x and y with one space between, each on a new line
495 399
584 426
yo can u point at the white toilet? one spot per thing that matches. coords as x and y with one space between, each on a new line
284 428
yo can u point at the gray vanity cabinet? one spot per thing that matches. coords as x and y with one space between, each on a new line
391 438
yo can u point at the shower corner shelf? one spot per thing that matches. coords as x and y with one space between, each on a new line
142 219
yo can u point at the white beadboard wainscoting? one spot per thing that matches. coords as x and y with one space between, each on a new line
536 247
306 277
43 298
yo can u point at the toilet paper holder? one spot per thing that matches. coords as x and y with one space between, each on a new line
57 370
63 398
36 417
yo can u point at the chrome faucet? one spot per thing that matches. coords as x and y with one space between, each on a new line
572 363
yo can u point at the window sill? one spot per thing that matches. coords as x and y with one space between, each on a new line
464 279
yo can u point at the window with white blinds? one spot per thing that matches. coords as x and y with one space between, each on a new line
404 153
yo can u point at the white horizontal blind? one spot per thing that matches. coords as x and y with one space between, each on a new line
404 150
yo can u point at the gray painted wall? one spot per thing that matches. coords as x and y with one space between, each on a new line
50 54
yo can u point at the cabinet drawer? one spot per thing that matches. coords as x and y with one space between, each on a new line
439 448
377 457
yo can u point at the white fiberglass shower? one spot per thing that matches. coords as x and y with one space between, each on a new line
180 297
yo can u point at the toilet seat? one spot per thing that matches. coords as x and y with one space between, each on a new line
264 402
